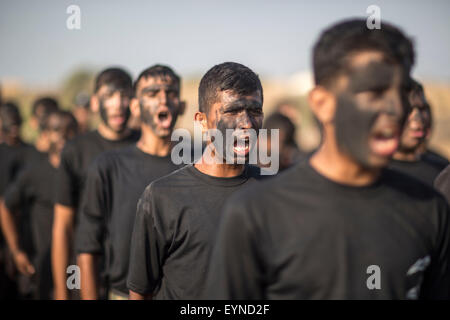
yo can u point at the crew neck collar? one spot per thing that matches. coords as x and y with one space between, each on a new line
373 185
219 181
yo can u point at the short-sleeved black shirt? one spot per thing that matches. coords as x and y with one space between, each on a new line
115 181
76 156
421 169
32 193
435 159
176 223
13 159
303 236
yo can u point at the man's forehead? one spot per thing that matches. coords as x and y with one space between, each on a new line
157 82
369 69
229 96
111 88
360 59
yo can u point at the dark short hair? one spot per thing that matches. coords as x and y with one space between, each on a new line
9 112
226 76
338 42
157 71
415 86
113 76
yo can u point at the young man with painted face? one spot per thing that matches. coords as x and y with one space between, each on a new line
178 215
321 229
428 154
406 159
40 110
112 94
117 178
33 192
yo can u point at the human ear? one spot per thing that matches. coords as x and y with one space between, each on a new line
135 108
323 104
94 104
200 118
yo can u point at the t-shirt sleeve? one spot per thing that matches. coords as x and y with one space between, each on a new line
437 276
66 178
236 269
442 183
94 206
19 191
147 248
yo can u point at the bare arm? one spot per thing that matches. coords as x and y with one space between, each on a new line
9 229
138 296
63 229
88 264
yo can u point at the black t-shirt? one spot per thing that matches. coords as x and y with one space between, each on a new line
422 169
12 160
32 194
303 236
435 159
442 183
76 156
176 223
114 183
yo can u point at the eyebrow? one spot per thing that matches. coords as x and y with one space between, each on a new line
157 87
242 104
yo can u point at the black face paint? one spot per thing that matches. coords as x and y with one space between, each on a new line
149 107
240 114
375 77
353 127
353 121
111 89
104 115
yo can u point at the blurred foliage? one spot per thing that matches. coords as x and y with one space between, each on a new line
79 81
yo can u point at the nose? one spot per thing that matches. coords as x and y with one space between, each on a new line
245 121
416 117
163 97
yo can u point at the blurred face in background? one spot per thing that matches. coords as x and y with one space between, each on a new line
417 123
10 127
59 130
113 103
82 115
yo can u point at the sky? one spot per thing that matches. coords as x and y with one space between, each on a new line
274 38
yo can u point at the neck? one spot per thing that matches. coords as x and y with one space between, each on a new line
222 170
152 144
406 155
338 167
109 134
54 159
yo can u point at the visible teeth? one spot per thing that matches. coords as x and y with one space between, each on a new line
241 147
163 115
